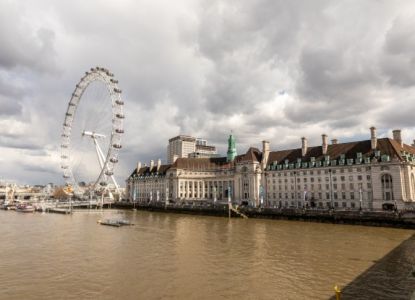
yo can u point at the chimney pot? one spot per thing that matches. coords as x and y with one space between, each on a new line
138 166
304 146
397 136
324 143
373 138
151 164
334 141
265 154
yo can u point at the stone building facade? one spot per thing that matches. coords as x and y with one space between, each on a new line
370 174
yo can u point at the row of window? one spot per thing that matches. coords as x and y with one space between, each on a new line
319 196
318 172
336 186
320 179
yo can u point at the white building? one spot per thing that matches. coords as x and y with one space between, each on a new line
372 174
183 146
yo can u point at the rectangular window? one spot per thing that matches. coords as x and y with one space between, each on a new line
335 195
359 177
343 195
369 185
368 177
351 185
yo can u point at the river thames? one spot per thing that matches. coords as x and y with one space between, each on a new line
173 256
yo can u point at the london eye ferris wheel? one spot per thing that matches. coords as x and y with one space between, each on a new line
91 135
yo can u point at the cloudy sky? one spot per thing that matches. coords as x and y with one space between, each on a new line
266 69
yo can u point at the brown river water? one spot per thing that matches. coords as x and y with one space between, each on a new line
173 256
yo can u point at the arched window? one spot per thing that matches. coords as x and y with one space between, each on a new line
387 185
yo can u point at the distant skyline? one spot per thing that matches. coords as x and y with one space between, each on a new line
274 70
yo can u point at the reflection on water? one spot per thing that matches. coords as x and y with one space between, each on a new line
169 256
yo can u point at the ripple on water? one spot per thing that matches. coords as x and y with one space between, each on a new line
168 256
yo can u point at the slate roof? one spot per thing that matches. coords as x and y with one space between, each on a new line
147 171
386 146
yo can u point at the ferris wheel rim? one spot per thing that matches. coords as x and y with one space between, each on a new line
111 158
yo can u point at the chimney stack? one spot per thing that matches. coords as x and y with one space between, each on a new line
373 139
334 141
151 164
265 154
158 164
413 144
324 143
138 166
303 146
397 136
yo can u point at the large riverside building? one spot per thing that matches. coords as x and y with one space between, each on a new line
370 174
183 146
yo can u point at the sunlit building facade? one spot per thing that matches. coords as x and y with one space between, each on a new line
378 173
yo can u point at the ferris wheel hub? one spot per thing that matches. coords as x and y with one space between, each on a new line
93 134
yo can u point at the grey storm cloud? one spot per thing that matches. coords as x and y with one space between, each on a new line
266 69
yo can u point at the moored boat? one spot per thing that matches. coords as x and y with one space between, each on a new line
109 223
115 223
25 208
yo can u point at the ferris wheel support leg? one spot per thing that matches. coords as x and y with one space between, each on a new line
100 155
101 159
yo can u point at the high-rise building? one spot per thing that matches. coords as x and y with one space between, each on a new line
180 146
184 146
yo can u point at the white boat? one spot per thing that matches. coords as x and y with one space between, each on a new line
25 208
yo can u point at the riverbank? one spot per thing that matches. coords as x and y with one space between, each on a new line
366 218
